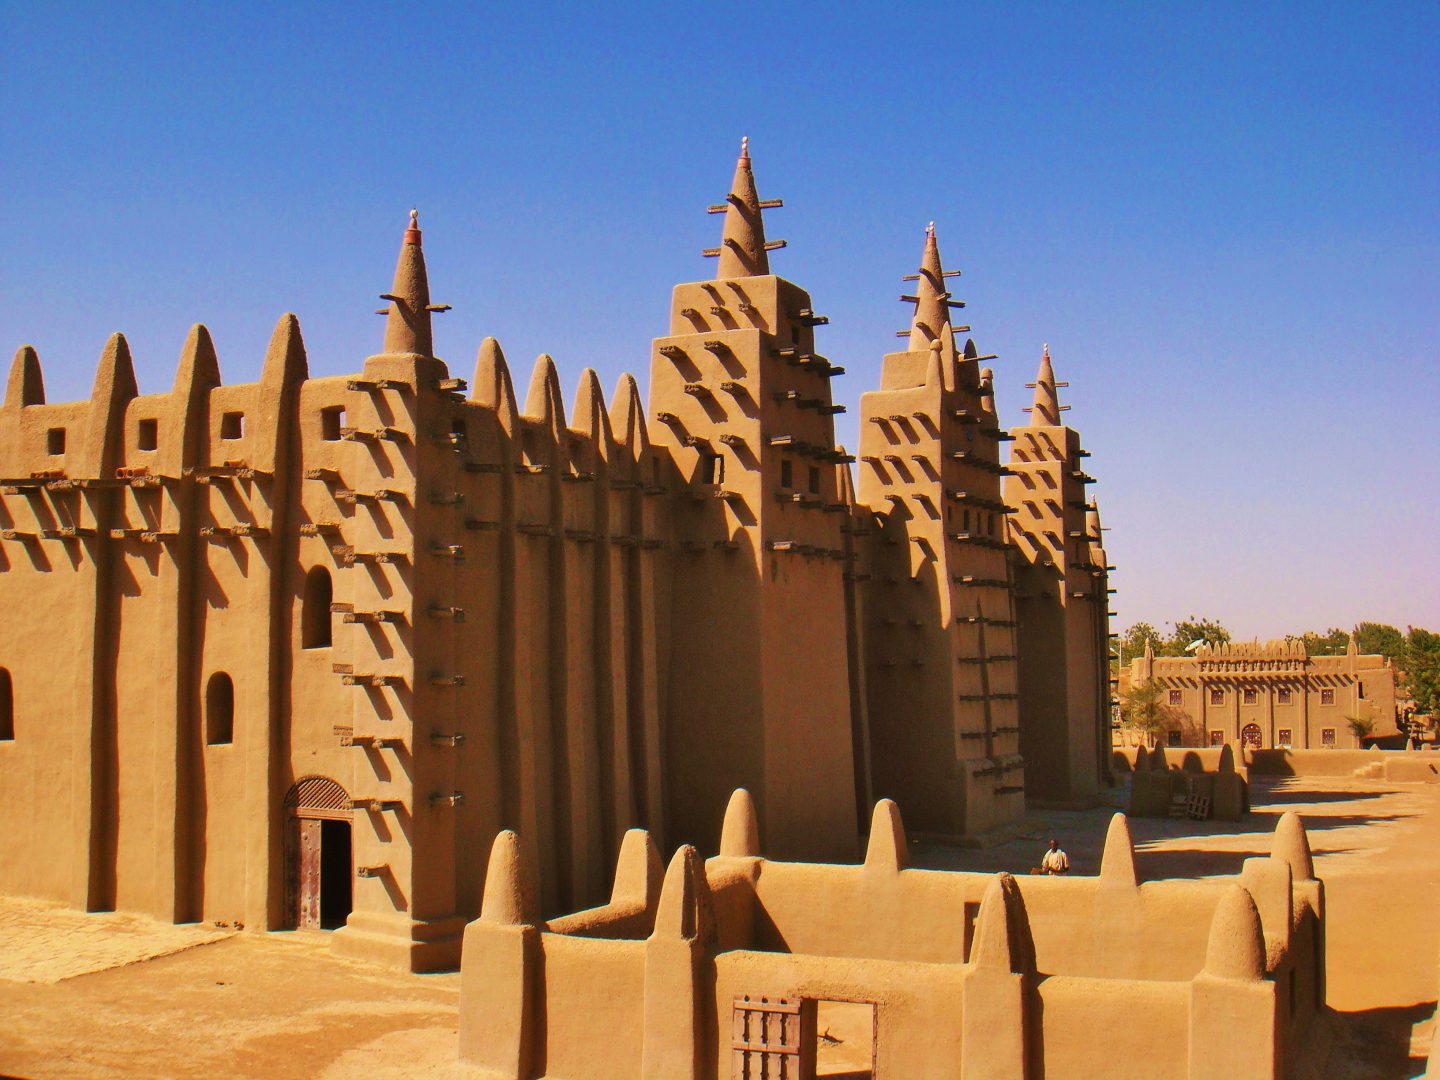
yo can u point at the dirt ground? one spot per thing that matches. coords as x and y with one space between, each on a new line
118 995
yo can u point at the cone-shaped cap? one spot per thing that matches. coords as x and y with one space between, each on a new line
740 835
1002 930
1351 649
1158 761
987 387
887 849
627 415
407 326
543 401
1237 944
932 316
115 375
26 386
1142 760
1227 759
1046 410
492 385
1149 650
742 247
684 910
637 870
285 360
589 415
934 368
509 885
1092 522
1292 845
1117 864
199 368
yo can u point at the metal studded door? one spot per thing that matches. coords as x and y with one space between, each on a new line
773 1039
309 873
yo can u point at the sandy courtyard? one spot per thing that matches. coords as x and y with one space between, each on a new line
119 995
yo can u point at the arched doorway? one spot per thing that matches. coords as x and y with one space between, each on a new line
319 865
1250 736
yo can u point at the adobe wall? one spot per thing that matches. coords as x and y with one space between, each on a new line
1399 766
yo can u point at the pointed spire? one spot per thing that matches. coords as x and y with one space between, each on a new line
114 389
932 314
742 246
1117 864
1092 521
887 849
627 416
1149 650
1046 410
492 386
987 387
285 359
684 909
509 897
590 415
637 870
1292 845
26 385
1002 929
543 400
740 835
1236 949
407 325
199 368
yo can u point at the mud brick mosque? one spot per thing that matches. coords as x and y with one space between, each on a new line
294 652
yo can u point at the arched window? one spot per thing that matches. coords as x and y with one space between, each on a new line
315 610
7 706
219 710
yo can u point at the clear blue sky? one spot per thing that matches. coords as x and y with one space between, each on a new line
1222 217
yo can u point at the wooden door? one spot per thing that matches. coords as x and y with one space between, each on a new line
773 1039
309 874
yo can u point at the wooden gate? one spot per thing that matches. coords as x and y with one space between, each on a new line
773 1040
1250 736
312 801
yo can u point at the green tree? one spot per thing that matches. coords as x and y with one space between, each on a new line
1144 707
1420 664
1361 726
1134 640
1378 639
1333 642
1188 631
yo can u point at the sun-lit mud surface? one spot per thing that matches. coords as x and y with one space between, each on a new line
121 995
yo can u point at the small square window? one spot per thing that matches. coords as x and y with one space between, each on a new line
148 437
232 425
1248 697
331 421
1176 697
457 428
1282 738
1217 738
1173 739
55 441
786 477
1327 736
1327 697
814 480
1282 696
1217 696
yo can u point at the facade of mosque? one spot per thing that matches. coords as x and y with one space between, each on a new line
291 653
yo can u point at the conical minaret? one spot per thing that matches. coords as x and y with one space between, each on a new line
1045 412
932 310
743 251
407 325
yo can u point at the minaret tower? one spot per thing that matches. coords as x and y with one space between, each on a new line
396 552
1062 619
740 402
939 642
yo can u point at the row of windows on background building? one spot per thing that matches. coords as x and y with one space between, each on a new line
1283 696
1250 736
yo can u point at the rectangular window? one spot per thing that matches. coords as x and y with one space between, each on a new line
1327 697
814 480
1176 697
1173 739
331 421
1248 697
1217 738
1217 696
1327 736
148 435
1282 738
1360 691
55 441
786 477
232 425
712 469
1282 696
